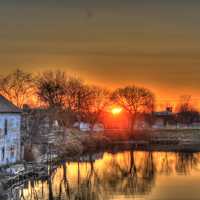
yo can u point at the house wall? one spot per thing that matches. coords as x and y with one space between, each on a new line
10 139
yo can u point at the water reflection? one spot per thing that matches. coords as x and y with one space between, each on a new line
120 176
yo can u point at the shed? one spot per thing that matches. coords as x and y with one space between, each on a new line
10 132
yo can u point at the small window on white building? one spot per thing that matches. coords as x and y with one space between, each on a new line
2 154
6 127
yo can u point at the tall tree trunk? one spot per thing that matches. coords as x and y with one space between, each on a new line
50 189
132 123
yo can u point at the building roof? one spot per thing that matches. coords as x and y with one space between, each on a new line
163 113
7 107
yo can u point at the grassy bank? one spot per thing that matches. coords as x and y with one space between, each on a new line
77 143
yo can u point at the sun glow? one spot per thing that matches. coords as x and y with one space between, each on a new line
116 110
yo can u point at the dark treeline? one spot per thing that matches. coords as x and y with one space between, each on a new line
68 95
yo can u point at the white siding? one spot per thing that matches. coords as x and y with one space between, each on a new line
11 141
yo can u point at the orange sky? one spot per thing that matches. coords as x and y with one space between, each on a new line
155 44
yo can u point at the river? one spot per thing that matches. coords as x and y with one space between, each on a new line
121 176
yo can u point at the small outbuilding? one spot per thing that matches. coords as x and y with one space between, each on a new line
10 132
85 127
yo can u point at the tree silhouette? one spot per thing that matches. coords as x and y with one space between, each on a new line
18 87
134 100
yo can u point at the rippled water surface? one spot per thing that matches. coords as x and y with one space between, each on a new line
121 176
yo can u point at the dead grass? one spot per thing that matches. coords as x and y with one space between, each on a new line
76 142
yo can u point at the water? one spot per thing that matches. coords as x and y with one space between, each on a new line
122 176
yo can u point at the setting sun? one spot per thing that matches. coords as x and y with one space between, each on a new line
116 111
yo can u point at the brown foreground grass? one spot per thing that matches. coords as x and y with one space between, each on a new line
75 143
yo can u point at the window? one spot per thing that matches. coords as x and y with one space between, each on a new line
2 154
12 152
6 127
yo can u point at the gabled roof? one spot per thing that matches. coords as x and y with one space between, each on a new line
7 107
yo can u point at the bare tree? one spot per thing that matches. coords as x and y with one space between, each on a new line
186 111
58 89
134 100
68 96
18 87
95 102
51 88
76 93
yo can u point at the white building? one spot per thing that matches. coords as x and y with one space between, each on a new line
10 132
87 127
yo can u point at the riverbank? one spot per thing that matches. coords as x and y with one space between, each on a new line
78 143
81 147
74 143
160 140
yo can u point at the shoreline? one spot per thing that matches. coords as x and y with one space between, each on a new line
83 147
145 140
75 143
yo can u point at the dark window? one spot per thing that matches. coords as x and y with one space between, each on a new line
6 127
2 153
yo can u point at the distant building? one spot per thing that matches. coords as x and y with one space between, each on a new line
10 132
164 119
87 127
142 122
